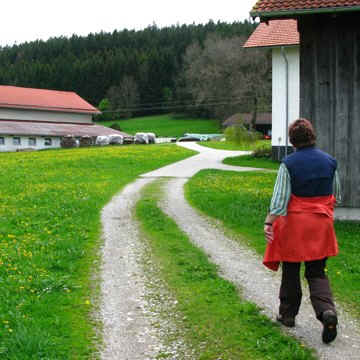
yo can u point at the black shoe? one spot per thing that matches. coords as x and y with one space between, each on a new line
329 320
286 320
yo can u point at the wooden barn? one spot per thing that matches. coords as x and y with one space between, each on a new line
329 77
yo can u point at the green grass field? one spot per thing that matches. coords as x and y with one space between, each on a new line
166 125
49 243
215 321
251 161
241 200
229 145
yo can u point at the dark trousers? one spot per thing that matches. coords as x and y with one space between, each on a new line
290 290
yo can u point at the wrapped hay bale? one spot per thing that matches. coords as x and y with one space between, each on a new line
116 139
141 138
102 140
68 141
151 137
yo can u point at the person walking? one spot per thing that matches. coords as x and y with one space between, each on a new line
300 227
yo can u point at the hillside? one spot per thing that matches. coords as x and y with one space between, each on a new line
91 65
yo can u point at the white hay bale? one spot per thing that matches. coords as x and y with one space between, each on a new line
102 140
151 137
141 138
116 139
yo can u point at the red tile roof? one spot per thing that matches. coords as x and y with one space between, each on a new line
42 99
29 128
268 8
275 33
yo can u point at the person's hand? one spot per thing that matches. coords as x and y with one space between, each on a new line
269 233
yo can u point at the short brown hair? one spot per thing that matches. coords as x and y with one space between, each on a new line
302 133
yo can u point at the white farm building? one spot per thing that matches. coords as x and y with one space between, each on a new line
283 38
39 118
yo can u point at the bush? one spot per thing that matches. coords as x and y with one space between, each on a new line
263 151
239 134
115 126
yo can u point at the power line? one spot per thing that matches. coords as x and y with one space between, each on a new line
181 105
212 98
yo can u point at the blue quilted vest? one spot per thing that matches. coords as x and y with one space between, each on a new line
311 172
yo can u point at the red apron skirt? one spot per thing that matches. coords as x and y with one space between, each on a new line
306 233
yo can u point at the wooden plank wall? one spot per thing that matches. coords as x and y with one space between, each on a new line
330 91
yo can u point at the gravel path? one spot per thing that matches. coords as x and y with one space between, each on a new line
206 159
128 331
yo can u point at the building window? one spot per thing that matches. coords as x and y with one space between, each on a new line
16 140
2 140
32 141
48 142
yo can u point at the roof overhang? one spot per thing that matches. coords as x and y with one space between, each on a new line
49 108
267 15
272 46
37 128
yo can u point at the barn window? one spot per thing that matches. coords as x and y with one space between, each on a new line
32 141
16 140
48 142
2 140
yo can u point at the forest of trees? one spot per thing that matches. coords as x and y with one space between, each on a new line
179 68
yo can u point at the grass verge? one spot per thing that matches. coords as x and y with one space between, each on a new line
49 243
216 322
241 200
166 125
251 161
230 145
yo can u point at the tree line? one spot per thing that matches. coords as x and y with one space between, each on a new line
192 68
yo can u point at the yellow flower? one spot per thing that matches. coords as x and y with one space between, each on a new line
87 302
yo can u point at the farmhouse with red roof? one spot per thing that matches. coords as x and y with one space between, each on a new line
329 77
39 118
282 37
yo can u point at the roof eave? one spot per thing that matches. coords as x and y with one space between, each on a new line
54 109
271 46
293 13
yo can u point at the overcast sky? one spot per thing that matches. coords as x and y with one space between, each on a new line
24 20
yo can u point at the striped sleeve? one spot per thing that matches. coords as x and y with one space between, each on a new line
281 193
337 188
